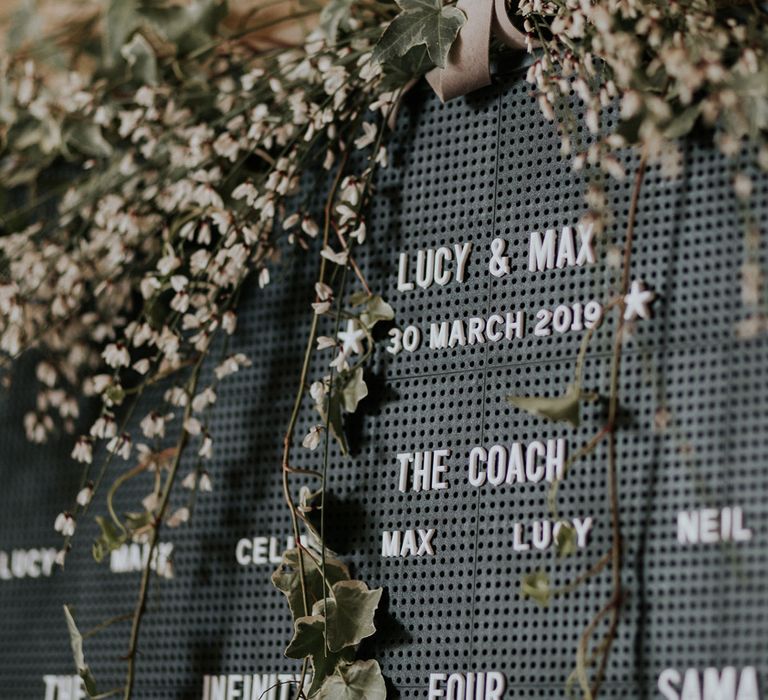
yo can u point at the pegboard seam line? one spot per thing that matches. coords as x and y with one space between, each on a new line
762 344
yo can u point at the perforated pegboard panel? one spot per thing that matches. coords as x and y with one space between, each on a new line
477 169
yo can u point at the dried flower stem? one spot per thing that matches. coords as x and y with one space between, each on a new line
613 606
326 452
107 623
141 605
288 439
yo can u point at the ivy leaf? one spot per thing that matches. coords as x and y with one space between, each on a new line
76 642
361 680
121 21
141 59
331 18
629 129
189 26
376 310
354 391
682 123
308 637
324 663
115 394
536 586
138 523
333 417
309 641
412 65
559 408
24 175
335 422
87 138
310 503
424 22
287 579
565 541
350 613
110 538
359 298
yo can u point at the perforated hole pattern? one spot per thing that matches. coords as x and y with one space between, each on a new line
476 169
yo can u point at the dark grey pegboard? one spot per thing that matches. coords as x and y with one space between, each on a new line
479 168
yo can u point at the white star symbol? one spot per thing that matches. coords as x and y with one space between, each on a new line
637 302
351 338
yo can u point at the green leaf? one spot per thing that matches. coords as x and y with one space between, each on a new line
354 391
308 637
24 175
361 680
560 408
137 521
116 394
335 421
400 71
287 579
324 663
629 129
422 22
75 639
536 586
682 123
309 640
110 538
309 630
332 16
333 417
359 298
87 138
122 18
565 541
76 642
350 613
189 26
376 309
141 60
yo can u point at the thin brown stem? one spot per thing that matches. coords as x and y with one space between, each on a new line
583 648
107 623
605 646
588 448
359 274
353 264
306 472
109 694
288 439
302 676
141 605
591 690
